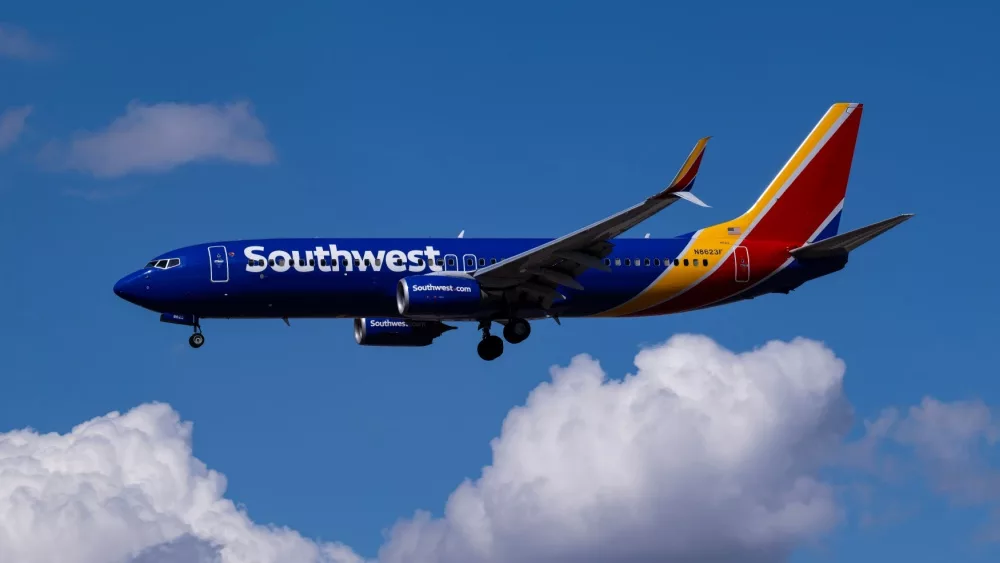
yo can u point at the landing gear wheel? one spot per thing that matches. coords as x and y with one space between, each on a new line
516 331
196 340
490 348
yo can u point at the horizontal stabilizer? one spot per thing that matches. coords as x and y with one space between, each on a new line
846 242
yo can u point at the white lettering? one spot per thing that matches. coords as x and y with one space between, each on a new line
432 287
321 255
396 260
302 265
256 263
334 260
416 257
279 261
432 258
389 323
340 257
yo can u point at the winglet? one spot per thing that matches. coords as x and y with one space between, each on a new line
684 180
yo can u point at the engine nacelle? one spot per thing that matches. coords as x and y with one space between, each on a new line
397 332
438 296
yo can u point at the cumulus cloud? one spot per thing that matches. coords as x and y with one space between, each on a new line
953 443
16 43
160 137
127 488
701 455
12 125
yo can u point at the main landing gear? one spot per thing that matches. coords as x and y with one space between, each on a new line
491 346
197 339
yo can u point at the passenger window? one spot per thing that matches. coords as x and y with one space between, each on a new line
493 260
607 261
482 261
677 262
704 262
628 261
440 262
358 262
656 261
451 262
378 262
618 261
685 261
645 262
367 263
470 262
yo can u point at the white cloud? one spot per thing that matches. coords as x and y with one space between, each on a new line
953 443
126 488
12 124
701 455
15 43
160 137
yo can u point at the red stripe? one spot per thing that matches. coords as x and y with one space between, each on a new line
794 217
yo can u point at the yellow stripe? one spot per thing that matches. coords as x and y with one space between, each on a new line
679 279
699 148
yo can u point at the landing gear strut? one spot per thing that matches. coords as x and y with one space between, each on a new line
197 339
516 331
491 346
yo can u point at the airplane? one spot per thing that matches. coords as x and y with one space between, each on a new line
403 292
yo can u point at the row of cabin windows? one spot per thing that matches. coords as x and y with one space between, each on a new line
655 262
343 262
469 262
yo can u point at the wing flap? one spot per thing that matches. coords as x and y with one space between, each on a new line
846 242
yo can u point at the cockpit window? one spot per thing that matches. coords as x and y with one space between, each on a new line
164 263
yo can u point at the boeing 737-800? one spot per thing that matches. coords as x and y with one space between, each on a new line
402 292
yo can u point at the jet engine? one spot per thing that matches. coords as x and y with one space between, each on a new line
397 332
439 296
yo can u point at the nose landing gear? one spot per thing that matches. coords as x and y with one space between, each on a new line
197 339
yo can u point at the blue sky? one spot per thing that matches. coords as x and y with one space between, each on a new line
520 119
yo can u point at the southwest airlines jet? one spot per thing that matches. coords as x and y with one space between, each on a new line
402 292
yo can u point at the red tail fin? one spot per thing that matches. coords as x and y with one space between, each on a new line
803 202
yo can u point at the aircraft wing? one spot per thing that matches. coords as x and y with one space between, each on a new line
539 271
847 242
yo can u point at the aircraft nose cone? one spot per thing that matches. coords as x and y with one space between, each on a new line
125 288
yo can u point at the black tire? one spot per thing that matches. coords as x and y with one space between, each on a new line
517 331
196 340
490 348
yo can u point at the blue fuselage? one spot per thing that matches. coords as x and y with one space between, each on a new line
335 278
